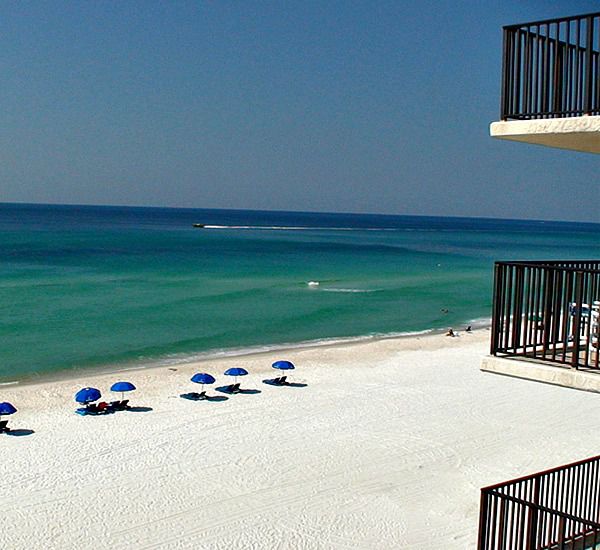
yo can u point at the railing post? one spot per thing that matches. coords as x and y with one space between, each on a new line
505 64
532 523
577 320
495 309
547 314
589 69
561 533
483 521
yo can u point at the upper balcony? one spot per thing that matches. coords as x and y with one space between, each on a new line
551 83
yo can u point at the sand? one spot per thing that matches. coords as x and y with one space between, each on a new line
386 446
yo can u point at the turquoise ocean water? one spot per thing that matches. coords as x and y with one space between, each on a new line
105 286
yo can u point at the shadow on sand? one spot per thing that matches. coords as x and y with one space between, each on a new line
20 432
139 409
241 391
271 382
193 396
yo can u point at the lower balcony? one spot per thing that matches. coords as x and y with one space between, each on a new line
551 510
546 316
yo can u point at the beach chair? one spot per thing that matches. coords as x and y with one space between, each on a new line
282 380
4 426
88 409
94 408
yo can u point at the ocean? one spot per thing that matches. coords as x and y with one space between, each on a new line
88 286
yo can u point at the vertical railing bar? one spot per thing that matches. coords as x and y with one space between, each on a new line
495 312
588 299
511 73
564 320
526 71
502 524
589 67
507 305
552 503
542 530
502 307
577 69
556 307
517 309
517 107
577 320
503 94
493 527
527 313
536 308
556 81
548 294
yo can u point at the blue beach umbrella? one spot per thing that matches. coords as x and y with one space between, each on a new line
283 365
87 395
203 378
122 387
235 372
7 408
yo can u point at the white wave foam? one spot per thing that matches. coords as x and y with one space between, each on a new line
313 283
480 322
352 290
182 359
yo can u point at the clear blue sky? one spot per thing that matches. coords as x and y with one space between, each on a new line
351 106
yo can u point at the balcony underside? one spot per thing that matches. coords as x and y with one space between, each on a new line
580 133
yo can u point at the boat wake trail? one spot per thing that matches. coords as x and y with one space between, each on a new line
298 228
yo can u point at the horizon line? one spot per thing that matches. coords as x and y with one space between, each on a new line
132 206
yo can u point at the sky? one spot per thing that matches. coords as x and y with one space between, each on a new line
337 106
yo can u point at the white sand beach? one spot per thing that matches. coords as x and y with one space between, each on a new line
386 446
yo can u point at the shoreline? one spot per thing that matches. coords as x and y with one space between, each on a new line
160 382
375 444
76 373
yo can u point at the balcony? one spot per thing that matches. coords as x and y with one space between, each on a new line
547 315
551 83
555 509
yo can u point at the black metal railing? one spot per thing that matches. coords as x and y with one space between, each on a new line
551 68
548 311
554 509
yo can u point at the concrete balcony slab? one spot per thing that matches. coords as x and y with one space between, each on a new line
580 133
549 374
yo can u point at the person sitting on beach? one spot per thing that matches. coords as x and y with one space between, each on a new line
450 333
468 329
